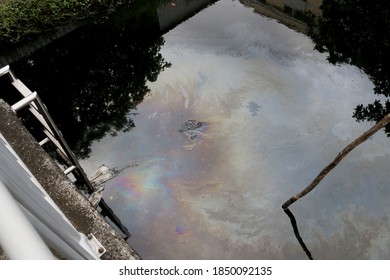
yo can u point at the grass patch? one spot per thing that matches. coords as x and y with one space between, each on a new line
22 19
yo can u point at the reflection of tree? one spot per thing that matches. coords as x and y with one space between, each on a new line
358 32
91 79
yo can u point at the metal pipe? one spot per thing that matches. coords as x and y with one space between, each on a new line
44 141
4 70
24 102
40 111
58 135
18 237
69 169
67 249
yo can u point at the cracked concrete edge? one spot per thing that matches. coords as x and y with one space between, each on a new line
69 199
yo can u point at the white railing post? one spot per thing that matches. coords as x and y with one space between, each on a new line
18 237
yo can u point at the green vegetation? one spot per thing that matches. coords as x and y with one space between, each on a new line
21 19
93 79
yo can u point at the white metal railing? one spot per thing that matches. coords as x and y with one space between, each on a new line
53 134
28 215
17 236
38 109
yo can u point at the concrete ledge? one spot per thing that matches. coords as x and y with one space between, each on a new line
74 205
273 12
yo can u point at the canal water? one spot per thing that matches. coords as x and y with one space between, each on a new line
241 115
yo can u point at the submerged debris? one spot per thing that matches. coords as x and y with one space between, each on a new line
192 128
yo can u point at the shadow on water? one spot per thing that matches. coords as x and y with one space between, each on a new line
296 232
92 79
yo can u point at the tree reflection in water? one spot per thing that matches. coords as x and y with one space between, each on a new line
357 33
93 78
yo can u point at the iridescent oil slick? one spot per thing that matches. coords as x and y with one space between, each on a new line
276 113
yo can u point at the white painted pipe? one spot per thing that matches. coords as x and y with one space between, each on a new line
18 238
4 70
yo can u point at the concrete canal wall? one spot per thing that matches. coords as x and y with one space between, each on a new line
174 13
85 218
45 39
274 9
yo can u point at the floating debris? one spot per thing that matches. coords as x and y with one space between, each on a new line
101 175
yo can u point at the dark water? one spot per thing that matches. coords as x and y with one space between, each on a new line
93 77
273 113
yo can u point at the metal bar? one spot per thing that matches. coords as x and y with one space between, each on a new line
25 91
12 76
18 237
4 70
24 102
39 110
44 141
39 116
50 222
54 140
69 169
58 135
18 84
52 239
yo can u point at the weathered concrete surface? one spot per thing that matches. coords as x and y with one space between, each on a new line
172 14
275 13
27 49
75 206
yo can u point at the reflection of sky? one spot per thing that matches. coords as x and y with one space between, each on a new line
277 113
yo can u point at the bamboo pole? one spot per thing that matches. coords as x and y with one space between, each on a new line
378 126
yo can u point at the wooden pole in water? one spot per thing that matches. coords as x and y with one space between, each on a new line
378 126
